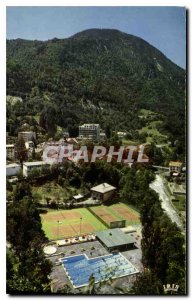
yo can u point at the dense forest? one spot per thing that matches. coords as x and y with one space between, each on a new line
94 76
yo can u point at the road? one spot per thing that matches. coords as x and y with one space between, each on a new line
158 186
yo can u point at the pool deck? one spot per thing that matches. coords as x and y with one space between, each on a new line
60 277
106 261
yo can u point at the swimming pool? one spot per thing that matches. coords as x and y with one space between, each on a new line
80 268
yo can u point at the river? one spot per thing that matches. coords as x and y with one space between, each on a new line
158 186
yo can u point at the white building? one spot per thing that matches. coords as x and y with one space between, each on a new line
12 169
121 134
103 192
27 135
28 166
89 131
102 136
10 151
175 167
29 146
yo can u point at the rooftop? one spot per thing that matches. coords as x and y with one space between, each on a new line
12 165
10 145
72 140
103 188
114 237
26 131
84 125
79 196
34 163
175 164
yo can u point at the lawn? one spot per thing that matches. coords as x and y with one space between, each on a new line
70 223
153 132
179 202
145 113
152 120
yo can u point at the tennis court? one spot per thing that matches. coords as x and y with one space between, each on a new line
126 212
69 223
116 212
58 224
103 213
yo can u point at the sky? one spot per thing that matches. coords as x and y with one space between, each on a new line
162 27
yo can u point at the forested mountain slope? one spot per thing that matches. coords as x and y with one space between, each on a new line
98 75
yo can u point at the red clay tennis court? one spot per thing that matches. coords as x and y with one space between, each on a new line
126 213
104 214
62 231
59 216
85 228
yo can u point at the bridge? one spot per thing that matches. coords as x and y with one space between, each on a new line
160 168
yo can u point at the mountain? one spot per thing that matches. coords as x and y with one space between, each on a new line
97 75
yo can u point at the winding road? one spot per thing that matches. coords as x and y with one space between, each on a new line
159 187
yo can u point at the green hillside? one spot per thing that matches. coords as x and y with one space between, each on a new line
95 76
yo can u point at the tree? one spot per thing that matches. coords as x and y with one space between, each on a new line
143 136
147 283
108 131
27 268
30 274
48 119
20 150
23 225
22 190
162 243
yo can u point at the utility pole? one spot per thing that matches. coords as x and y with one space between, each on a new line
80 224
57 229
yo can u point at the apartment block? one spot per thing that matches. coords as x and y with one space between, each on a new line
89 131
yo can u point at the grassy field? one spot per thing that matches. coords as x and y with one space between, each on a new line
145 113
153 132
151 127
70 223
127 142
179 202
67 223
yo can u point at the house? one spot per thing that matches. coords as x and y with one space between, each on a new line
103 192
89 131
28 166
12 169
27 135
121 134
175 167
72 141
102 136
29 145
10 151
78 197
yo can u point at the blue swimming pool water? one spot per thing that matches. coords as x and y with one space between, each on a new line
79 268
